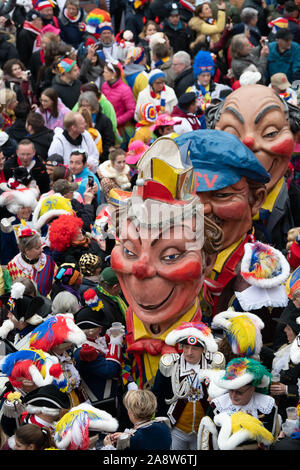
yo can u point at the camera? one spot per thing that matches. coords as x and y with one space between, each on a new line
28 73
90 181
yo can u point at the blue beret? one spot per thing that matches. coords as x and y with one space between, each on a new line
220 159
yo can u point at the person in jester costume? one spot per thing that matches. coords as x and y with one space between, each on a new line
164 247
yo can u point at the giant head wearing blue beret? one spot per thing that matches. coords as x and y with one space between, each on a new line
230 180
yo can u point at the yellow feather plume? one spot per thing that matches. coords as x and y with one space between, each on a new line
243 331
256 429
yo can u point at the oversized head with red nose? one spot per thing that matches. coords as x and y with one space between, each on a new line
160 256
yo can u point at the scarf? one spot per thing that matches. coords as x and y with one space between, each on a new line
161 62
116 298
76 142
73 19
121 178
29 27
161 97
85 243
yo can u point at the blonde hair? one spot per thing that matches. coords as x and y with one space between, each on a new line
87 116
7 97
141 403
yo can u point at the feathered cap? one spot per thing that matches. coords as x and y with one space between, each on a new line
23 307
244 371
203 62
72 430
238 428
49 207
15 199
194 334
243 330
63 230
293 283
264 266
35 366
56 330
97 21
295 347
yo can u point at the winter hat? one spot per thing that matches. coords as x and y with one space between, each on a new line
50 207
109 276
157 38
134 55
88 263
244 371
55 330
98 21
47 399
239 427
67 273
243 330
264 266
72 430
55 159
135 151
155 74
32 15
147 113
23 307
64 186
44 4
250 76
193 334
203 62
63 230
35 366
65 65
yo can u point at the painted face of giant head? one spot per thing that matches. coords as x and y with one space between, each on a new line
160 272
232 208
256 115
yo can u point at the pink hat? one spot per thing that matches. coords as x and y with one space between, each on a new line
165 120
135 151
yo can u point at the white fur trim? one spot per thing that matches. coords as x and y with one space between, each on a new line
234 384
227 440
6 327
222 319
206 427
266 283
35 320
106 421
38 221
17 290
42 409
37 376
176 336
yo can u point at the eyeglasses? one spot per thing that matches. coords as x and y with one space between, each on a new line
238 392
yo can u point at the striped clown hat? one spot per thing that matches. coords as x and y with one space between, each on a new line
244 371
42 4
293 283
147 113
264 266
134 55
193 334
278 23
98 21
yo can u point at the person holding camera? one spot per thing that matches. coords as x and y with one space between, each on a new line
17 78
83 175
244 54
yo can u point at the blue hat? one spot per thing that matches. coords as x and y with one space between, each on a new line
203 62
220 159
154 75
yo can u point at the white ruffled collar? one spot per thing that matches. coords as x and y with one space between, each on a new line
28 268
258 404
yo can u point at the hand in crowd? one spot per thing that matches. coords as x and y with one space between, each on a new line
89 193
222 5
278 389
92 51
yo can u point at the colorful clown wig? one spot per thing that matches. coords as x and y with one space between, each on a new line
193 334
239 428
244 371
72 431
65 65
56 330
98 21
243 330
34 366
264 266
63 230
203 62
147 113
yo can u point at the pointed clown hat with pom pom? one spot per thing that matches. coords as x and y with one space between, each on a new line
24 308
193 334
243 330
244 371
238 428
72 430
31 366
56 330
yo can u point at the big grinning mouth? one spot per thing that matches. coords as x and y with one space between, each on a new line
154 307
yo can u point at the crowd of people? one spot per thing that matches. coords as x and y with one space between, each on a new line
108 341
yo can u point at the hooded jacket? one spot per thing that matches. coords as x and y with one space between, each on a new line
121 97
